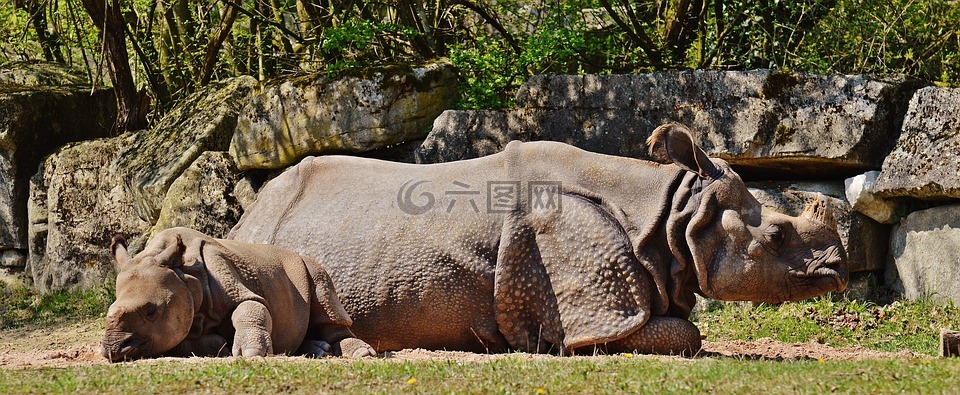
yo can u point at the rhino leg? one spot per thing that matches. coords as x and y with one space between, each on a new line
253 326
661 335
329 330
336 340
210 345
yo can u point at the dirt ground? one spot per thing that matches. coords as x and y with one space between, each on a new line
77 345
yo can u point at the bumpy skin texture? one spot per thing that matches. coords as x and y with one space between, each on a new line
614 265
190 294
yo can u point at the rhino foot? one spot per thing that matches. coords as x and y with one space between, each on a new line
661 335
352 347
314 348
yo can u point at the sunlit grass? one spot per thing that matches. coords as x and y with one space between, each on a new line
901 325
613 374
22 306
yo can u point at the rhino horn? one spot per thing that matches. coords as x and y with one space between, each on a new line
677 143
819 210
118 248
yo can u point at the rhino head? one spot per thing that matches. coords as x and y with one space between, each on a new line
155 303
738 249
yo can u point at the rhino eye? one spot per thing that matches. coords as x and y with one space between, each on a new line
774 236
150 312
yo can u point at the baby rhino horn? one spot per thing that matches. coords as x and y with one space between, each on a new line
820 210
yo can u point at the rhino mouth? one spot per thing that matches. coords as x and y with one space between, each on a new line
824 270
123 346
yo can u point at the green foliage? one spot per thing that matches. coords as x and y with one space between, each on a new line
492 69
498 45
920 38
901 325
357 41
22 306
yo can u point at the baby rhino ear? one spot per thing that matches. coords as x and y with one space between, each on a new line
118 249
677 143
172 254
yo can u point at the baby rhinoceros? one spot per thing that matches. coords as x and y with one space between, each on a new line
190 294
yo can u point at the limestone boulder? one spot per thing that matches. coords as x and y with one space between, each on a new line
203 122
363 110
37 74
77 203
925 253
36 119
864 239
768 124
205 197
860 192
925 163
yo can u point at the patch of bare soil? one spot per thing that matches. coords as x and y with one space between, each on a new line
767 348
67 345
78 345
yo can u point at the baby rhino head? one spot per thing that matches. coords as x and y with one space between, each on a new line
155 307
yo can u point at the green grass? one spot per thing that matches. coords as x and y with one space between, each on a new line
901 325
512 374
22 306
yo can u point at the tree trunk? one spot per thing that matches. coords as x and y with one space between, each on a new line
216 42
49 41
132 107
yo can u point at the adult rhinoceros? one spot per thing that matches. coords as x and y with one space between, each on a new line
543 247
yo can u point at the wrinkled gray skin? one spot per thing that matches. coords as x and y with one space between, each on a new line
614 266
190 294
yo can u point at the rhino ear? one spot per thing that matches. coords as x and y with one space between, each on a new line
172 255
676 142
118 249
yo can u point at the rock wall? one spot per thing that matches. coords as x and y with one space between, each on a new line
42 107
362 111
884 150
769 124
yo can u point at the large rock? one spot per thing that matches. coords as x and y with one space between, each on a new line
864 240
766 123
204 122
204 197
365 110
77 203
36 74
925 251
88 192
860 192
34 121
926 161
